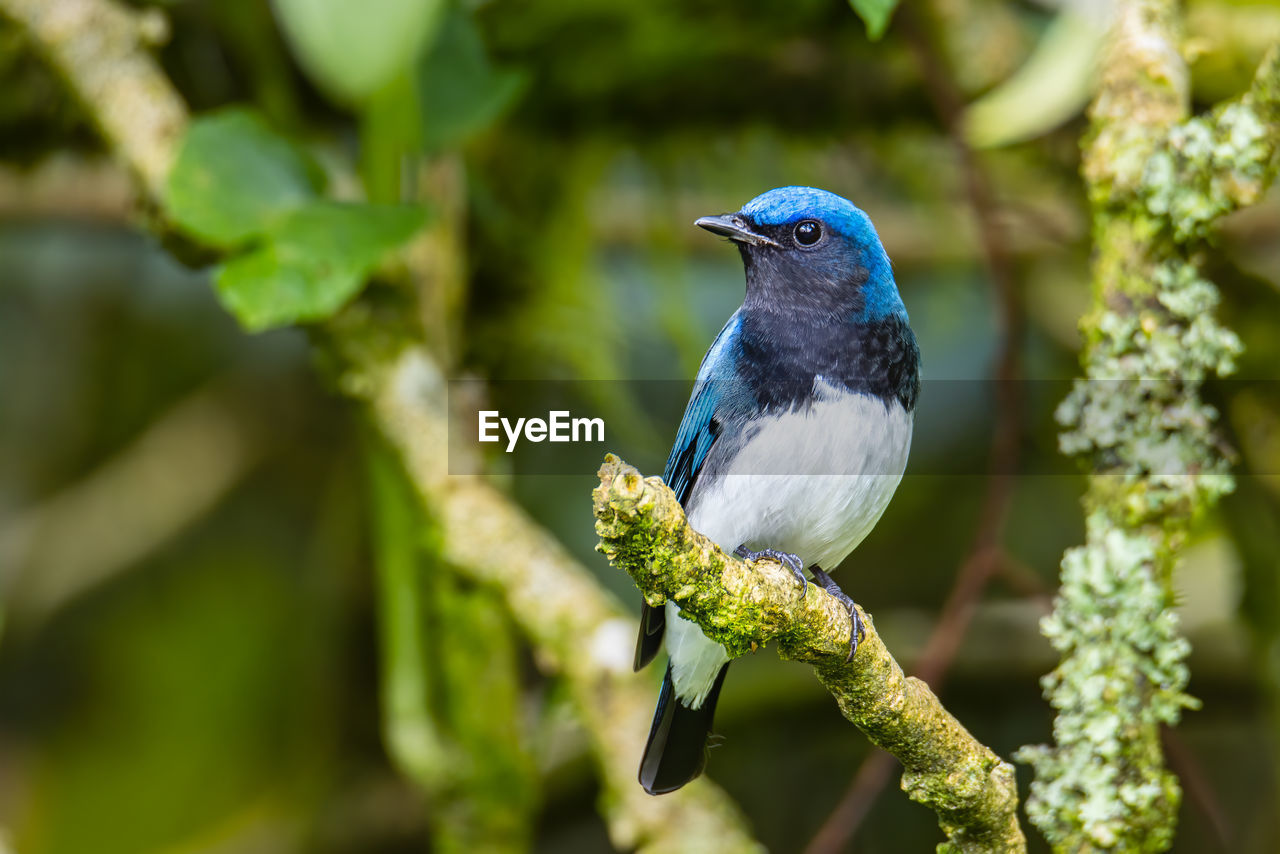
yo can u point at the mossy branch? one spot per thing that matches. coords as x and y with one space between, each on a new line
745 605
1158 181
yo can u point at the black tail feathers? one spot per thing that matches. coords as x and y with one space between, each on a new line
677 747
652 622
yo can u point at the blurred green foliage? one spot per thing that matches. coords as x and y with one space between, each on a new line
460 92
234 178
875 13
354 49
236 183
221 692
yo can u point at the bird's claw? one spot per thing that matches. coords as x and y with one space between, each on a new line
856 629
787 559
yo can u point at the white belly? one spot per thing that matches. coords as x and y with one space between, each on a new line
812 482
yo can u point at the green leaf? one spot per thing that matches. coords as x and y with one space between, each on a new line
352 48
264 290
1051 87
875 14
234 177
347 234
461 93
314 262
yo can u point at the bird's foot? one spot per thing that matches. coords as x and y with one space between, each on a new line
856 629
787 559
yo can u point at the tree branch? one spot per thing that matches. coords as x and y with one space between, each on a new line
1157 182
744 605
575 628
99 47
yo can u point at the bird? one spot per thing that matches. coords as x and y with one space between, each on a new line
795 436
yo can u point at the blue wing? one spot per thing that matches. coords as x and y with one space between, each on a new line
716 388
703 421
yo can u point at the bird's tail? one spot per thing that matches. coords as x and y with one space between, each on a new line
677 747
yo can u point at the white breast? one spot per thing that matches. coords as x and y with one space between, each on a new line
813 482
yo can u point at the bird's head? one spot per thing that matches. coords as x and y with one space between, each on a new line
813 252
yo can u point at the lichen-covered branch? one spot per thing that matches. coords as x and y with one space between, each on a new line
99 48
744 605
575 628
1157 182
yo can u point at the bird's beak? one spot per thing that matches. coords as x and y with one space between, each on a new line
735 228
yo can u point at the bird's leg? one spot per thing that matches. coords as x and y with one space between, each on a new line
825 581
787 559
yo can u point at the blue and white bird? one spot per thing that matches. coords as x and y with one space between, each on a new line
795 436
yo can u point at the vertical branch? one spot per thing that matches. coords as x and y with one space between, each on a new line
437 258
413 742
450 688
984 555
491 802
1157 182
483 787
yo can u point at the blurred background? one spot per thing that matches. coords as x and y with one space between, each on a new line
188 656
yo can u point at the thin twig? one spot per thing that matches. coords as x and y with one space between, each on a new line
983 559
1184 763
132 504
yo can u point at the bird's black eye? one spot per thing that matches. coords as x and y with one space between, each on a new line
808 232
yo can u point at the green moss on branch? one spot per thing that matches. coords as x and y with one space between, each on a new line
745 605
